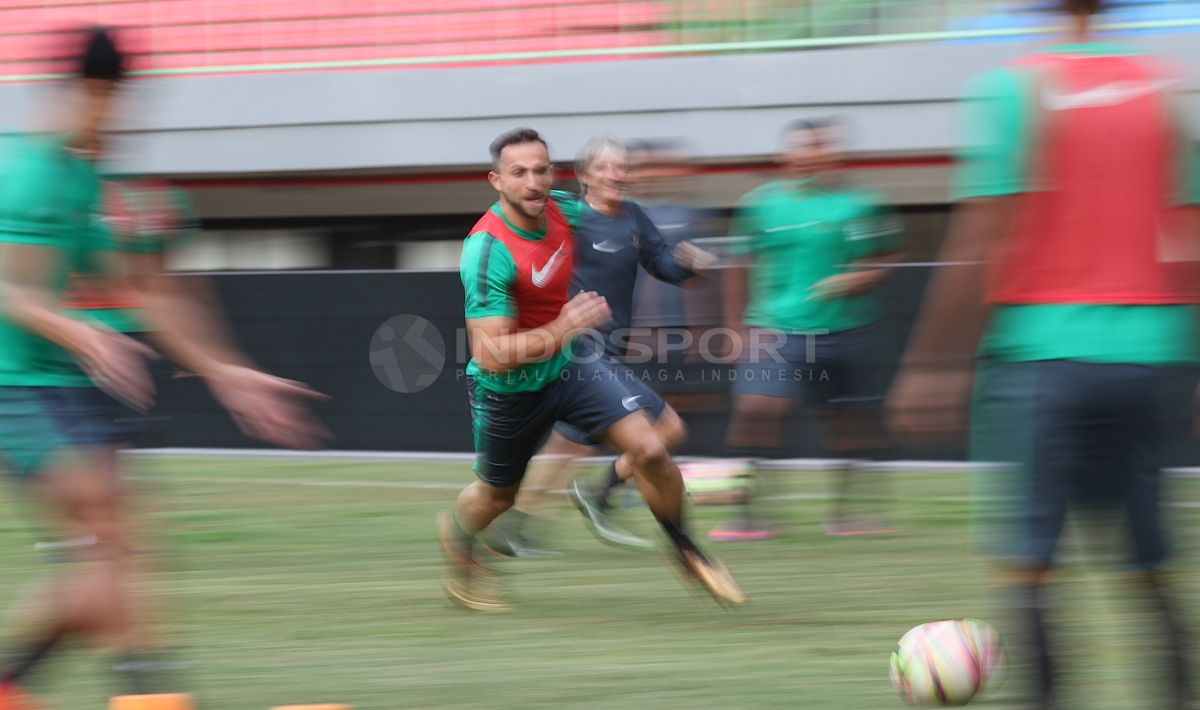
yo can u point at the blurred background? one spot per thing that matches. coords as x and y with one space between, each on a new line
336 152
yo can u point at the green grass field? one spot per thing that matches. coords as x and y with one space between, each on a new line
316 581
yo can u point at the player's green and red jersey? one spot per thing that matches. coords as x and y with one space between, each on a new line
514 273
1085 135
143 217
798 233
50 198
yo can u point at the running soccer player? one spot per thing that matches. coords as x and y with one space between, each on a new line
58 432
814 249
141 222
1079 193
525 375
147 220
613 238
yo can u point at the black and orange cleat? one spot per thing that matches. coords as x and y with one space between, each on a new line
466 581
708 573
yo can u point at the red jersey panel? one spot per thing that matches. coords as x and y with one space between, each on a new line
543 265
1094 225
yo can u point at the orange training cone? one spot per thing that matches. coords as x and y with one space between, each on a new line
165 701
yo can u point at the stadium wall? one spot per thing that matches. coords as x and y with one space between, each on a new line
322 328
899 98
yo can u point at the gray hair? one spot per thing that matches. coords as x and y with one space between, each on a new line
594 148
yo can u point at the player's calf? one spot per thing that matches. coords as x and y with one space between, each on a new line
661 484
657 476
481 503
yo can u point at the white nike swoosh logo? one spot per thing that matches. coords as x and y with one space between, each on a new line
541 276
805 225
606 247
631 403
1110 94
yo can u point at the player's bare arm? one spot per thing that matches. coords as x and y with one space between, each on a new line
929 393
497 347
861 276
263 406
179 299
114 361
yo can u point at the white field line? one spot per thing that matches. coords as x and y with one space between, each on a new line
426 485
915 466
310 483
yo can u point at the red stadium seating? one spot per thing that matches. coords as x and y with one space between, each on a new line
429 51
181 34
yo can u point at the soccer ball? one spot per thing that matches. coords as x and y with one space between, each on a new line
946 662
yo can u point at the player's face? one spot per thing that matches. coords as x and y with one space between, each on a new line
97 99
523 178
607 177
809 152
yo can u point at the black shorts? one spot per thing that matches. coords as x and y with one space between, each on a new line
828 370
509 428
641 396
1062 435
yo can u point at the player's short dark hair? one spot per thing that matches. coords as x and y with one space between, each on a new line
100 57
1083 7
658 150
808 125
671 146
516 136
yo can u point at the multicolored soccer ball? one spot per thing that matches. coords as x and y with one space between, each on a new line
946 663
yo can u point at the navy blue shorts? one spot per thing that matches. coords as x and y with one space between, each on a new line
1059 436
828 370
509 428
40 424
641 396
87 415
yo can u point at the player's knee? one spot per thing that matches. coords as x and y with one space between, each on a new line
649 454
97 514
108 533
500 499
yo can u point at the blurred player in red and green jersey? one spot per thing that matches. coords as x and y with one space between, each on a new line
68 378
1071 273
143 217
